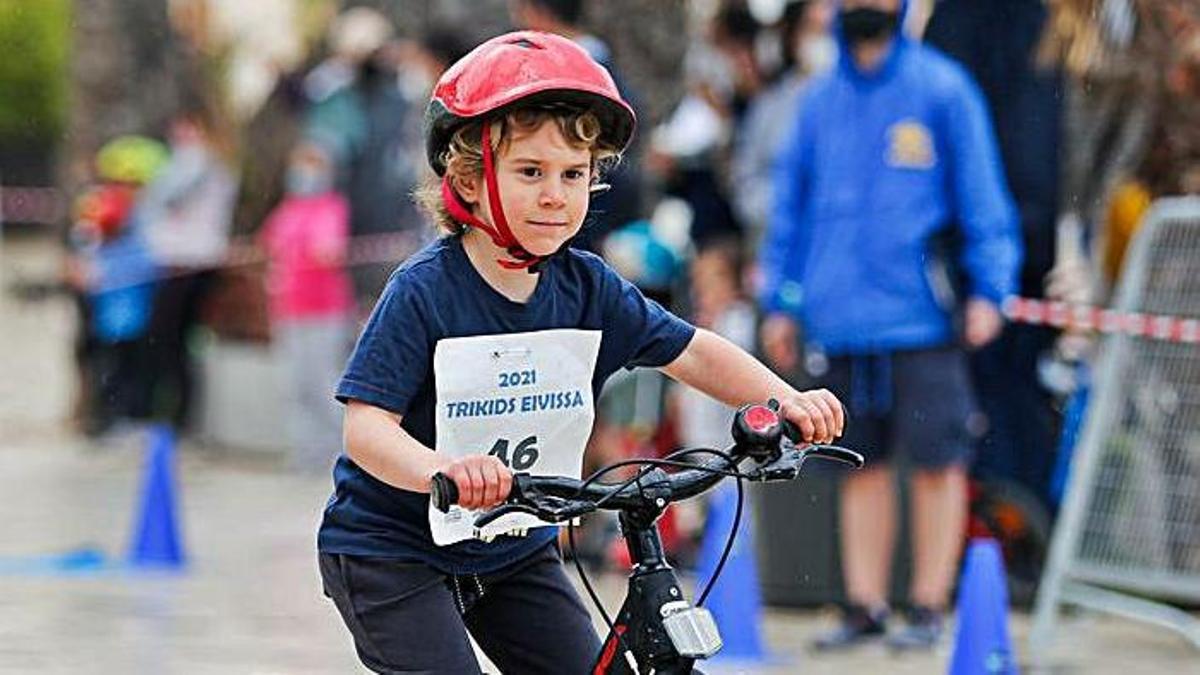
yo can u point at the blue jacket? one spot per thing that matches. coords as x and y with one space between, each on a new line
876 164
124 292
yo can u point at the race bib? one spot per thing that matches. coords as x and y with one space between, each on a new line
525 398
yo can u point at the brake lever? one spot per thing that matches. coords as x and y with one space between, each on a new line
488 517
837 454
791 459
550 509
785 467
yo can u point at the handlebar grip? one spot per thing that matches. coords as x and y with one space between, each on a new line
443 493
791 431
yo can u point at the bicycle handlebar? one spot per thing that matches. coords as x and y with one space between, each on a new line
759 433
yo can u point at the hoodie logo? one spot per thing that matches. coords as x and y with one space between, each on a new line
910 146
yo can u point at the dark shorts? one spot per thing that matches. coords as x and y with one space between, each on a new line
409 618
919 403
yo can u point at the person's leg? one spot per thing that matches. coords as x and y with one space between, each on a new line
84 353
195 292
104 362
531 620
164 347
317 354
126 379
401 615
287 350
868 534
934 423
140 379
939 518
866 512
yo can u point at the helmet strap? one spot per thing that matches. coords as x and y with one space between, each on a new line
500 234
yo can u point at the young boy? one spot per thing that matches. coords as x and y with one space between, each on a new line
484 356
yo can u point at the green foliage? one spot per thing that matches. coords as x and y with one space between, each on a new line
34 37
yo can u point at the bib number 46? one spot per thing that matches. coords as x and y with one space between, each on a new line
524 455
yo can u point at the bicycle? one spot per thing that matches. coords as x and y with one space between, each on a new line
656 629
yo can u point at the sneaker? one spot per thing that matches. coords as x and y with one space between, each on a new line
922 632
858 626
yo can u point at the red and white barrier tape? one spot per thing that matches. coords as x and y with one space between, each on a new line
364 249
1105 321
41 204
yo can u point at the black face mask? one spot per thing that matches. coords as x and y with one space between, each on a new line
866 23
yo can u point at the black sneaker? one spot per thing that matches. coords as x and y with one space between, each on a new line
858 626
922 632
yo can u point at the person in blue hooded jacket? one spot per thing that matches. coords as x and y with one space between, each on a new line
890 152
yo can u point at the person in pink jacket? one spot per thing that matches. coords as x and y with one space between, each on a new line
310 302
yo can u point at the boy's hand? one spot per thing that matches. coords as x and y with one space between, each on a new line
483 481
817 413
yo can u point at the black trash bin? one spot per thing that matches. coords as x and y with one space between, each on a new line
796 540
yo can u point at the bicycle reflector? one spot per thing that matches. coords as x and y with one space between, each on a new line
692 630
757 428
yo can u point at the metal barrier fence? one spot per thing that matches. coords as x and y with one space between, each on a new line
1128 537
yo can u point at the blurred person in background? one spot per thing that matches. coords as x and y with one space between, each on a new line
689 151
1131 91
185 215
420 63
996 41
718 304
890 149
362 112
806 49
310 302
109 266
1132 112
621 203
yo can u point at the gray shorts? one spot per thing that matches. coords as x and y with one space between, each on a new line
919 403
409 618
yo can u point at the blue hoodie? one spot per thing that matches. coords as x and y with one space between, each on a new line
876 164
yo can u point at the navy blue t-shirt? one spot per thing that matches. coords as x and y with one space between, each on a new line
437 294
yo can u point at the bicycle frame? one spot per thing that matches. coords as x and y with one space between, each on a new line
639 623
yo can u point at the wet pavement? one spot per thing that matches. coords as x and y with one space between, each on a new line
249 599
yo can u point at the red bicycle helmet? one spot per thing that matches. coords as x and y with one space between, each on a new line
526 67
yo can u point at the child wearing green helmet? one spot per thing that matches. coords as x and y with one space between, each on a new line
109 266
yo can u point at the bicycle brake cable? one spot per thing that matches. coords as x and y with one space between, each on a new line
648 464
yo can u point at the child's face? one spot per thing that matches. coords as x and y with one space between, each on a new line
544 185
714 286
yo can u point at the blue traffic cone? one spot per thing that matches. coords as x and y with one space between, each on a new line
156 540
982 645
736 599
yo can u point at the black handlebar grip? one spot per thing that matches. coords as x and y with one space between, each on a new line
443 493
791 431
